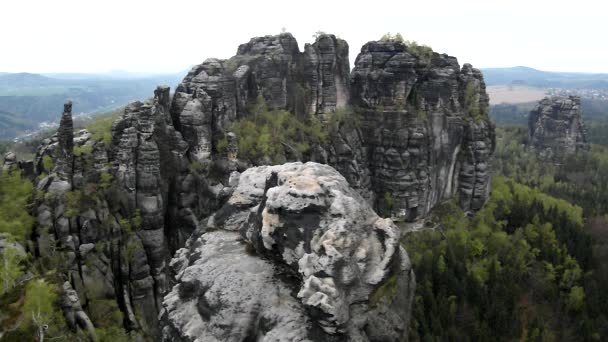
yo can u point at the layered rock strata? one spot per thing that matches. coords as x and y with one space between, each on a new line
556 128
423 134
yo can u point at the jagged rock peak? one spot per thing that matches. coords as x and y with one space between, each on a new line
556 128
294 255
218 92
65 136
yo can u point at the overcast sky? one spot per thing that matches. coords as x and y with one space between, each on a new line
172 35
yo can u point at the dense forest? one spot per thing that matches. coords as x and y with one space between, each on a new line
529 265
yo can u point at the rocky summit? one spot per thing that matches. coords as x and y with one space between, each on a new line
295 254
169 221
556 128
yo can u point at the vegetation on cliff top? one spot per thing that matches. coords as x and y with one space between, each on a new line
274 133
424 52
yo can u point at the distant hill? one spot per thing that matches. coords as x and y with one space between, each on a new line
27 100
11 124
522 75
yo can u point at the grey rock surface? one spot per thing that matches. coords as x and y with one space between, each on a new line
117 214
294 255
556 128
218 92
73 312
425 126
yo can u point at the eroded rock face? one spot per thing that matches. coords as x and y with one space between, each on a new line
556 128
104 211
218 92
289 252
424 135
294 255
65 136
426 129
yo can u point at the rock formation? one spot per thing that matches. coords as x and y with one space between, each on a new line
555 127
10 161
65 136
425 127
424 137
25 166
285 253
312 260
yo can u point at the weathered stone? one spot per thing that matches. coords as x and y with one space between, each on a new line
10 161
311 241
556 128
282 253
73 312
426 127
65 136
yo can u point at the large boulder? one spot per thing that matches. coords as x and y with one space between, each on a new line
294 255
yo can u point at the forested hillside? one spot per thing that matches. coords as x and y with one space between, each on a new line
529 266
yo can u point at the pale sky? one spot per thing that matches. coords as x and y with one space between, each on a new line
171 35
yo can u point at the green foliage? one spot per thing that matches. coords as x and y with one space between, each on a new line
196 167
267 133
108 320
389 203
576 298
79 200
86 149
222 145
423 52
15 195
105 180
422 114
497 275
101 128
137 219
10 268
344 116
73 203
596 131
115 334
126 226
388 37
581 178
47 163
39 306
132 247
386 291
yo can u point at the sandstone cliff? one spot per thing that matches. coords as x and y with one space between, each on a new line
556 128
311 259
405 131
424 134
